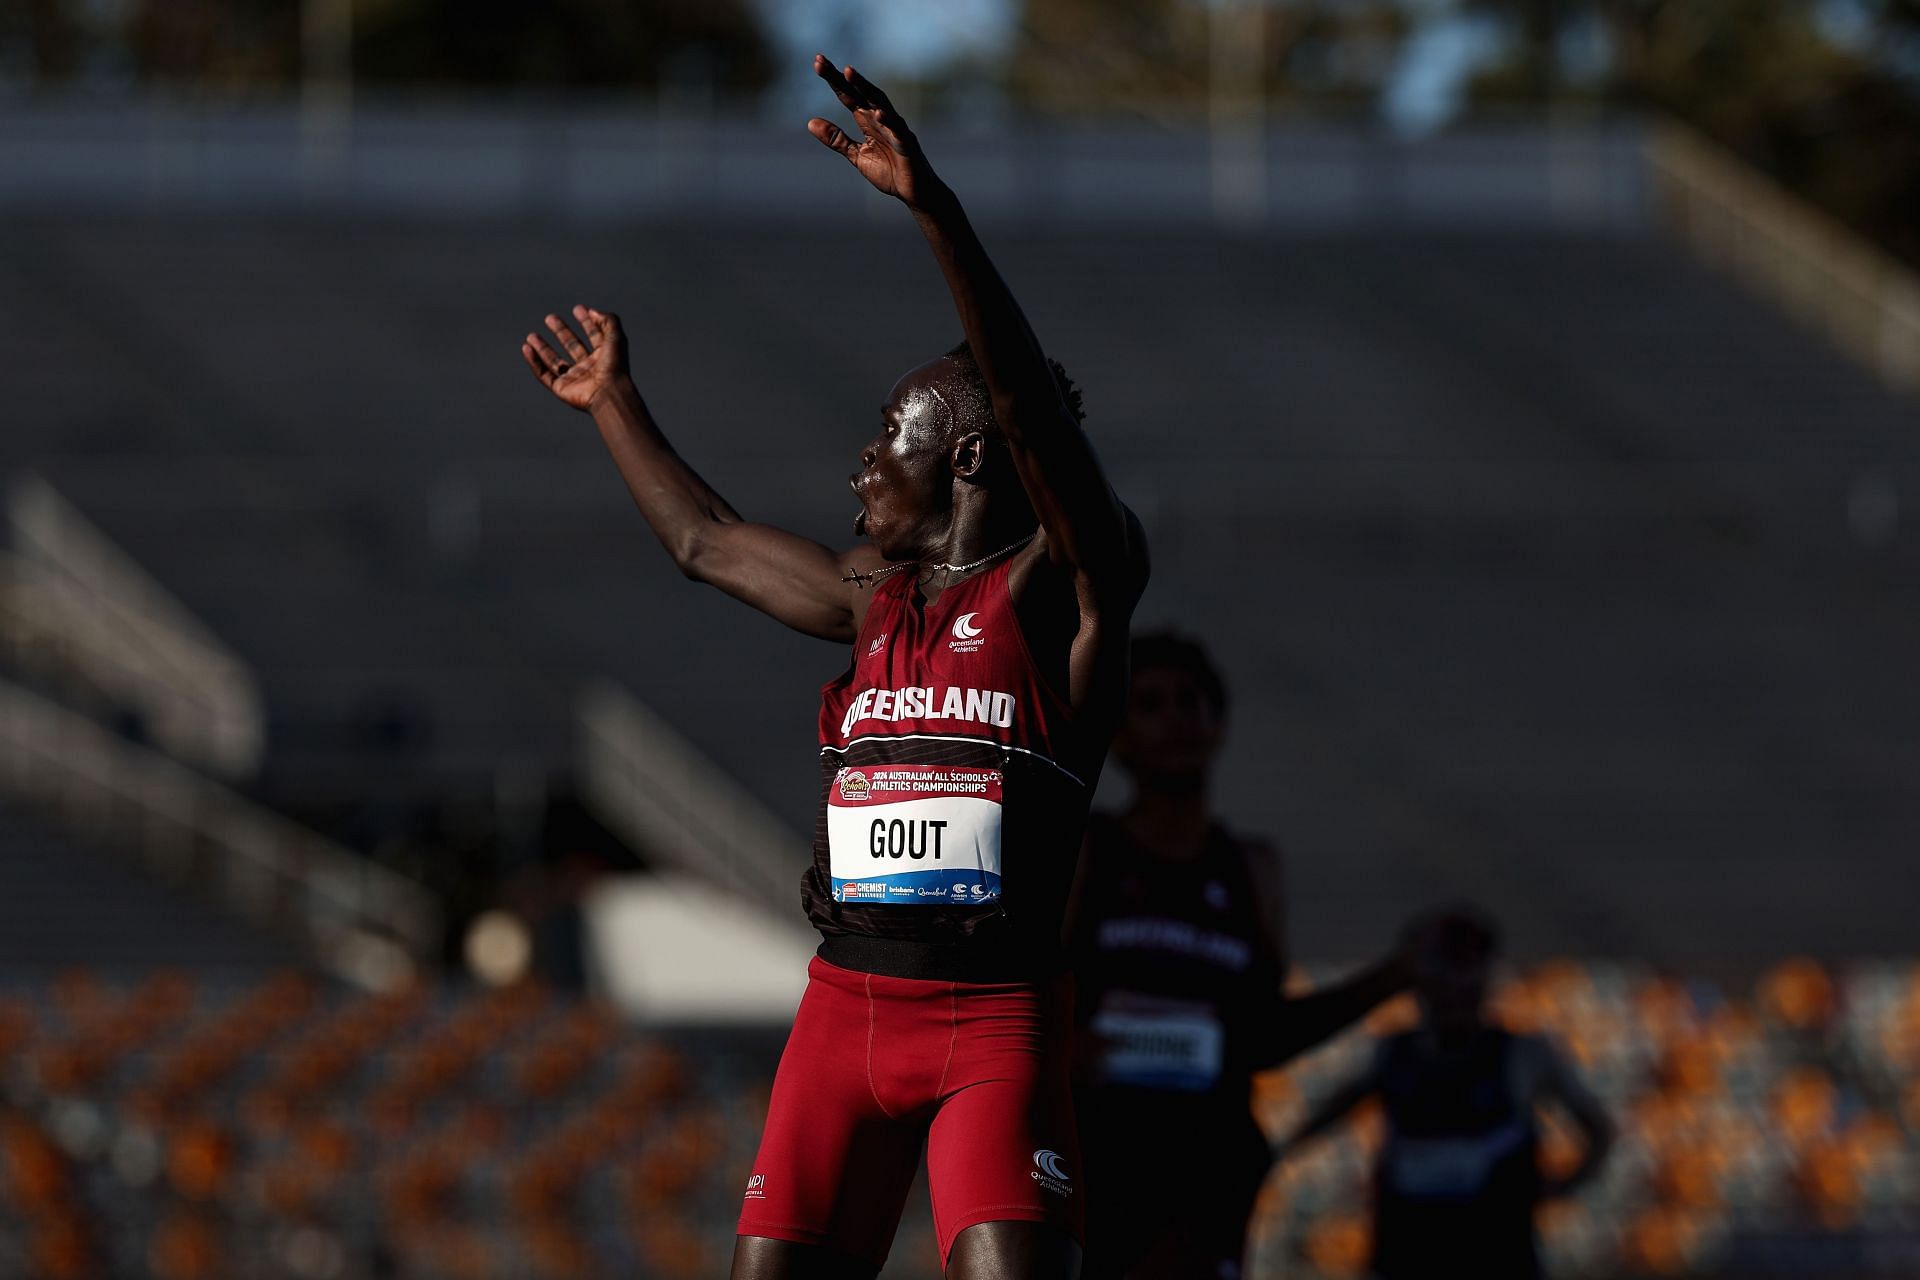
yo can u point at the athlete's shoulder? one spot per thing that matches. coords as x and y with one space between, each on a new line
1129 584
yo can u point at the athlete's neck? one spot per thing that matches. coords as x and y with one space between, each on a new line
975 533
1170 823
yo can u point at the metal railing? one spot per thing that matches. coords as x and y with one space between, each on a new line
1741 221
363 922
76 607
658 792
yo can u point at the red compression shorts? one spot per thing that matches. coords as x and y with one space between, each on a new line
875 1066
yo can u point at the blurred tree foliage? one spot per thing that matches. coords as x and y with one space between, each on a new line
1832 112
1161 56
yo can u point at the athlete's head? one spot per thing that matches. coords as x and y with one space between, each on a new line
939 452
1453 965
1176 713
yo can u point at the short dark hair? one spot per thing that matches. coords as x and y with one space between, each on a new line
976 413
1465 933
1171 651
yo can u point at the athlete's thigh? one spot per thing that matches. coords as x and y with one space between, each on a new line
758 1258
1013 1251
1004 1150
833 1169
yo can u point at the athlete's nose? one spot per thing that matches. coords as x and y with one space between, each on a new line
867 455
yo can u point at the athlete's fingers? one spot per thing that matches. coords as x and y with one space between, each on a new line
587 324
849 97
548 356
568 338
892 130
869 90
540 370
832 135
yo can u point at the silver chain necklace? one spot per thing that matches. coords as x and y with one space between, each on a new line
869 577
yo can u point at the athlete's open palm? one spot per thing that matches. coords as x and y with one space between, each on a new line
886 153
587 368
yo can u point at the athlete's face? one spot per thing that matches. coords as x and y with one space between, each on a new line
905 480
1451 988
1172 730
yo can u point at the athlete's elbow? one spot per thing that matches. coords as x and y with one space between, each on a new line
692 554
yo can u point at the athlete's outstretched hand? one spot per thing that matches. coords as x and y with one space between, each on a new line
886 154
588 368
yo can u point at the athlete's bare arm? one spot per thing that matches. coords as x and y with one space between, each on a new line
1559 1083
791 578
1086 531
1298 1023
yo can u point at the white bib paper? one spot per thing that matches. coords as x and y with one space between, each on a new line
914 835
1159 1045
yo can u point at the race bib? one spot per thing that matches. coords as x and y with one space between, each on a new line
1449 1168
914 835
1159 1046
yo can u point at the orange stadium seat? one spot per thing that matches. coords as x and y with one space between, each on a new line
521 1132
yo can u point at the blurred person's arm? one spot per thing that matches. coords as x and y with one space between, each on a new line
1298 1023
1330 1112
1088 533
1558 1082
793 579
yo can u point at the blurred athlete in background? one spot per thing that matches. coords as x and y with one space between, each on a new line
988 615
1458 1176
1179 944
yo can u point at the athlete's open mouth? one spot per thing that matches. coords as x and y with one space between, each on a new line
859 521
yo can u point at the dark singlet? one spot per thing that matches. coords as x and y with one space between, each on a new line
954 792
1458 1176
1175 967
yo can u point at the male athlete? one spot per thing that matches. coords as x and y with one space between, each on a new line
988 613
1456 1182
1178 939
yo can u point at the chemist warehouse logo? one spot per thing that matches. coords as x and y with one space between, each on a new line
968 635
1050 1171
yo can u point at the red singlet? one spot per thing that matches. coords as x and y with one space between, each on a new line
937 1011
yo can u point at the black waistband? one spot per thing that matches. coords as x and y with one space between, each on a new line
938 962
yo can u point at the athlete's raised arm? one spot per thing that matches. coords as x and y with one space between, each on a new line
1087 530
791 578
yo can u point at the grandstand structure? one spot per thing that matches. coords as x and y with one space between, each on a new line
1535 553
1550 569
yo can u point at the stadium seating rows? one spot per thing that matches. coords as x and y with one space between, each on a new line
285 1128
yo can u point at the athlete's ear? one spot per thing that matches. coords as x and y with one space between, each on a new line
969 454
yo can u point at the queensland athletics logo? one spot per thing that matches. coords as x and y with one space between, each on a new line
854 785
1050 1171
967 634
